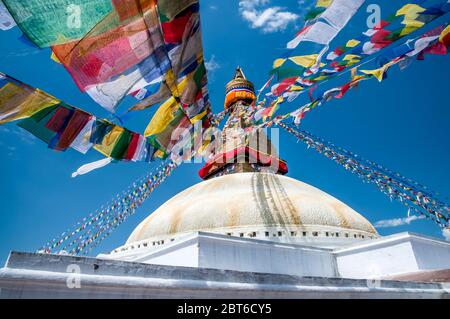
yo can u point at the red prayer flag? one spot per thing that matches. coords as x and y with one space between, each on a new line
132 147
77 122
379 38
59 119
437 48
173 30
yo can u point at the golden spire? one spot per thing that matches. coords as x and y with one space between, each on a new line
239 74
239 88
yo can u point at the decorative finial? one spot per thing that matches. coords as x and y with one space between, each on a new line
239 73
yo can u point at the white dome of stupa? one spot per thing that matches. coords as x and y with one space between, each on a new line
261 205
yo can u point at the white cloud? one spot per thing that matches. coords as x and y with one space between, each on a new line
397 221
268 19
213 7
212 64
446 233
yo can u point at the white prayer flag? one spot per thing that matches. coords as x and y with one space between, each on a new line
91 166
339 13
421 45
6 21
82 142
319 32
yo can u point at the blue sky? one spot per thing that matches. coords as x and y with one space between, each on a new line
402 123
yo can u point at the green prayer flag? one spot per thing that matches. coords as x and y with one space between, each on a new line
36 124
51 22
121 145
314 13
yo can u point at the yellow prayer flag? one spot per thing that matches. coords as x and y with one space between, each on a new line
305 61
204 146
411 13
165 113
444 33
354 72
410 10
198 117
278 62
172 83
378 73
296 88
323 3
352 43
358 78
410 28
351 57
159 154
162 118
17 102
109 141
321 78
55 58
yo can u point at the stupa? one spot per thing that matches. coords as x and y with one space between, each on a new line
245 231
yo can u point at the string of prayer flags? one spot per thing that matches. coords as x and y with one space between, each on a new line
117 48
279 88
370 42
219 117
380 73
305 61
373 41
188 104
94 228
411 195
271 110
425 40
173 59
161 129
264 87
414 17
62 126
114 45
336 15
433 39
18 100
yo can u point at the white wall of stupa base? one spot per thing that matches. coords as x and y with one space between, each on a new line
392 255
311 235
375 258
30 275
207 265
